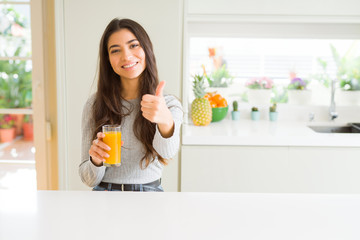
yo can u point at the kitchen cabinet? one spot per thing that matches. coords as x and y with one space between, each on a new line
286 169
234 169
324 169
276 7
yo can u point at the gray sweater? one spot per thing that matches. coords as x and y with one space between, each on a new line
132 151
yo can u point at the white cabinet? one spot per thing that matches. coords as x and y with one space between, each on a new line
233 169
270 169
275 7
324 169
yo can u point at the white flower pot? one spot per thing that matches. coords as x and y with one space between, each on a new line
347 98
299 97
258 97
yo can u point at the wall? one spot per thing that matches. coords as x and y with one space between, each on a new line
80 25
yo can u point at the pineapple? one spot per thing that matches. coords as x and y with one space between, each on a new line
201 112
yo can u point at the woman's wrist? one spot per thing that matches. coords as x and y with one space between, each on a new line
96 164
166 129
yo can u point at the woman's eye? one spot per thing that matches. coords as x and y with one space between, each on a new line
115 51
134 45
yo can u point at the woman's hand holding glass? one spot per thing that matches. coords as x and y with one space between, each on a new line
98 150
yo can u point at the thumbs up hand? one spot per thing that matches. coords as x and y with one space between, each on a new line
155 110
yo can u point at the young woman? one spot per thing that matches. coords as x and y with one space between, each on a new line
129 93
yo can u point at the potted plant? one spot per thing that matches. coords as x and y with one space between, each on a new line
7 128
347 75
255 114
273 114
28 128
259 90
217 74
235 114
298 92
220 78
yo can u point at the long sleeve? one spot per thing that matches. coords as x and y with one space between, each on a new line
90 174
168 147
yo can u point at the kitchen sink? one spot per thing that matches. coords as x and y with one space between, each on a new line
348 128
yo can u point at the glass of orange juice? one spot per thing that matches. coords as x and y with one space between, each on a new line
113 140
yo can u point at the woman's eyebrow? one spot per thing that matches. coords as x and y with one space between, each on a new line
115 45
128 42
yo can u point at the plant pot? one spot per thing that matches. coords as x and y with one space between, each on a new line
255 116
28 129
7 134
299 97
18 123
258 97
273 116
347 98
235 115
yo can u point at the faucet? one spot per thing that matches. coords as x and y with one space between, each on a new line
311 116
332 110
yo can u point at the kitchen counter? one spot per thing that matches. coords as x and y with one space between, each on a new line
133 215
265 133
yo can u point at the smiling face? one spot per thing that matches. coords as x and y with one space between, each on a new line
126 56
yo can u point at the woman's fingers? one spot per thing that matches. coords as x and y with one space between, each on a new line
100 135
99 141
96 158
100 151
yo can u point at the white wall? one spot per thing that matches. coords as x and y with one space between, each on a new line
80 25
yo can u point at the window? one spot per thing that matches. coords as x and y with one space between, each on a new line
17 150
279 59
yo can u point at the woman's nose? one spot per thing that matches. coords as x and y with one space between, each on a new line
126 54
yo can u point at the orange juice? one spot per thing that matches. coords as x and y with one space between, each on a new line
113 140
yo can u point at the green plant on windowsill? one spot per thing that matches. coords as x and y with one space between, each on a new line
348 69
220 77
273 108
255 114
235 114
273 114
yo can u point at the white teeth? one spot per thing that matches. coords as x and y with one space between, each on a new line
129 66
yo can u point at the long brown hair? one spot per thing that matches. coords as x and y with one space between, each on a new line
107 108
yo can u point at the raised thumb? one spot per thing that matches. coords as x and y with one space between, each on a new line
160 88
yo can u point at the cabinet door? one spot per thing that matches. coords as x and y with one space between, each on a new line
324 170
275 8
234 169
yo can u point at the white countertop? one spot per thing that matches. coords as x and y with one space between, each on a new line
265 133
134 215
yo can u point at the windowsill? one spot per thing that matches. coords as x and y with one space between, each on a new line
16 111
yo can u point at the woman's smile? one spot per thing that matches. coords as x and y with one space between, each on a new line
130 66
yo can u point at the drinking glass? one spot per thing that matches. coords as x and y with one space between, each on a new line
113 140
